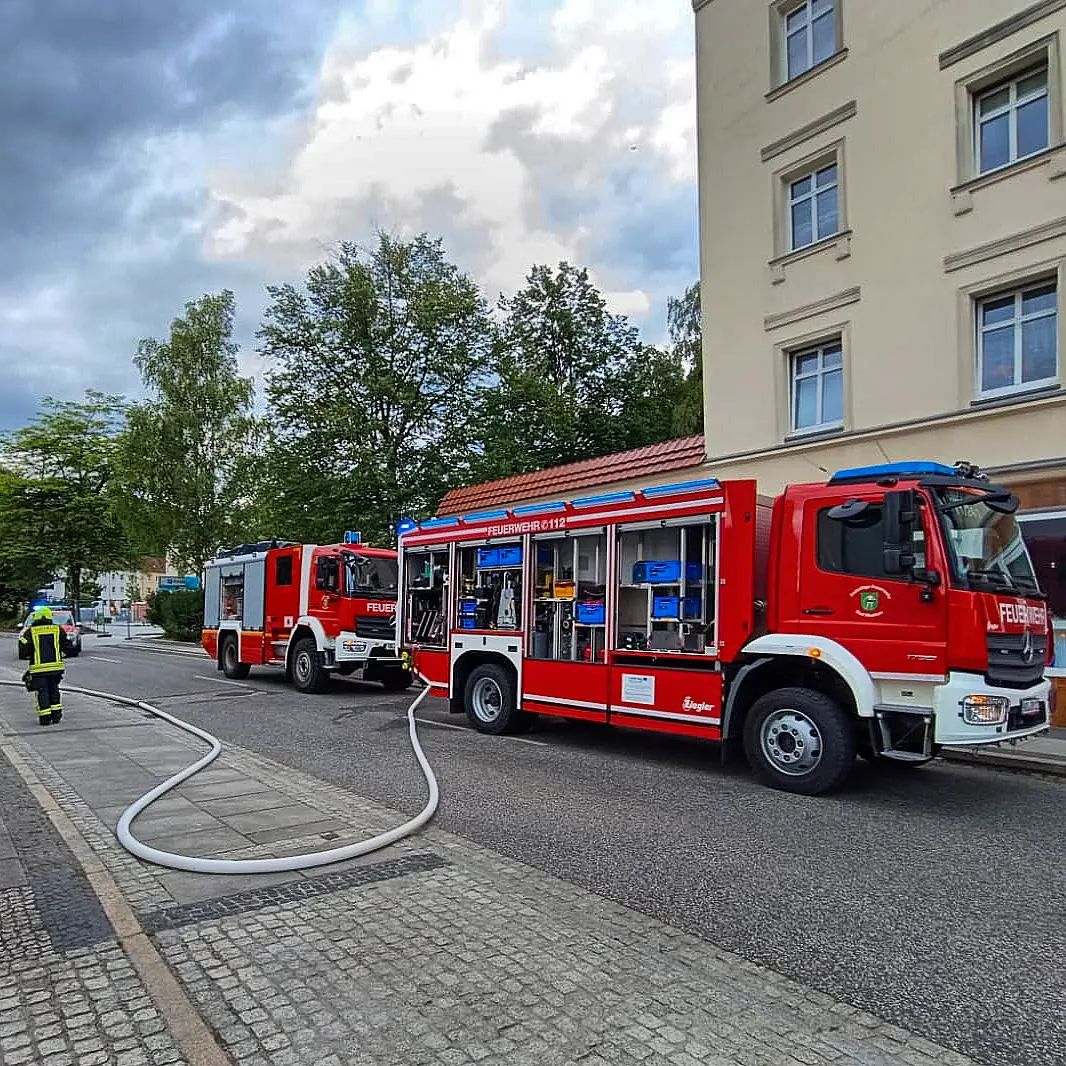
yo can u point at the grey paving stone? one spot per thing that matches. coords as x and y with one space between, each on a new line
276 818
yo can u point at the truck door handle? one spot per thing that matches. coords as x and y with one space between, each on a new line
818 610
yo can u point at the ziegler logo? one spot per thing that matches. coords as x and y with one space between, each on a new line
695 706
381 608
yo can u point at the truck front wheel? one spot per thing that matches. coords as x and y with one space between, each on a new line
491 701
799 740
308 672
232 666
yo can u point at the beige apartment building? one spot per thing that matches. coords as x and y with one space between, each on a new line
883 242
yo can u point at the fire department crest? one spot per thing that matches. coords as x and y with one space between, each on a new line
870 600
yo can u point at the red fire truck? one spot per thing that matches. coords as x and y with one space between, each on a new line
311 609
890 612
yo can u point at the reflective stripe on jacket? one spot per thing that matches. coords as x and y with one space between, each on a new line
46 647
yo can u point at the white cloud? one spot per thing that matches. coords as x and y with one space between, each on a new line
448 135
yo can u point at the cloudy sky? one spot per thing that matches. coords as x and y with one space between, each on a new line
153 152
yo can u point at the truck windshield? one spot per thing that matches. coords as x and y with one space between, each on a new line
986 546
365 573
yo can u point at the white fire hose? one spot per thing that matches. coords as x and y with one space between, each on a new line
195 864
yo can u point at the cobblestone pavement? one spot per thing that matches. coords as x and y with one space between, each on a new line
68 994
436 951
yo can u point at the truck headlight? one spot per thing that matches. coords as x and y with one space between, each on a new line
985 710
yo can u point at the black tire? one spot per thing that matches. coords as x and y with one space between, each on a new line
74 653
308 670
397 680
232 666
491 702
801 741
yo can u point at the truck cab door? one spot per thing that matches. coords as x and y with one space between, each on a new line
324 598
865 583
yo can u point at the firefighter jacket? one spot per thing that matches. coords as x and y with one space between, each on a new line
45 640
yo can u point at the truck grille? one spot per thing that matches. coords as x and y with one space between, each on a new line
1016 659
376 628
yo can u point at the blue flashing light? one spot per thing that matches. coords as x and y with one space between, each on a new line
600 501
405 525
919 468
439 523
353 536
485 516
538 508
680 487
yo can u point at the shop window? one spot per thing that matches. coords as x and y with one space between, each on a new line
570 598
490 587
427 596
1045 537
666 588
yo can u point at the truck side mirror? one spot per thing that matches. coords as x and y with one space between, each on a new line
899 515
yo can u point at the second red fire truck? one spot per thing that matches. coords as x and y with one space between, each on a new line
890 612
310 609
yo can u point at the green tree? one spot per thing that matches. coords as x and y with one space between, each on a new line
684 319
376 365
181 457
56 502
575 380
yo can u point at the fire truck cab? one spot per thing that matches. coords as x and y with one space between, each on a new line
311 609
890 612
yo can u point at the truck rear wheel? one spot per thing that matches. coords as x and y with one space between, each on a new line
309 674
491 701
799 740
232 666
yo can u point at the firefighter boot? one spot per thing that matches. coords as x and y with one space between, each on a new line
44 719
57 714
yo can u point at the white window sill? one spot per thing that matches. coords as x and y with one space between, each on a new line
1054 158
1021 394
795 436
840 242
802 79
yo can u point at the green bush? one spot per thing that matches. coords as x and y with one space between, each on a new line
180 613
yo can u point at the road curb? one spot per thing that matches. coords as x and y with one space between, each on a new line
188 1029
1030 764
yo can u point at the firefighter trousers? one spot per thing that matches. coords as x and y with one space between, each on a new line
45 687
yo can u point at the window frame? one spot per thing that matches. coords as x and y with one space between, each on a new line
1043 52
1017 321
812 197
793 355
1010 109
784 12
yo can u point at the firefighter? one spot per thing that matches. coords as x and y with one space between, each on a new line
45 642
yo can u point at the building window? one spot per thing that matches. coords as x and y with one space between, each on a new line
1011 120
1017 339
810 35
814 207
816 380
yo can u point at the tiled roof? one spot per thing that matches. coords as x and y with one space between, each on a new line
652 459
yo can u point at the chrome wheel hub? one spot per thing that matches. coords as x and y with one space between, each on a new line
302 666
791 742
487 700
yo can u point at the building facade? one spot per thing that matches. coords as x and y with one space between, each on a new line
119 588
883 243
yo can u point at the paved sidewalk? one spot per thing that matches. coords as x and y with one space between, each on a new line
434 951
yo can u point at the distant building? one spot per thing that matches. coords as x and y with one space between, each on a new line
118 588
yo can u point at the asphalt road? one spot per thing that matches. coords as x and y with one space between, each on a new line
932 897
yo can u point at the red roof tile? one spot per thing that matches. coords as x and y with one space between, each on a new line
650 460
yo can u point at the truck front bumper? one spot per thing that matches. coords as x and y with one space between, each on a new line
1027 713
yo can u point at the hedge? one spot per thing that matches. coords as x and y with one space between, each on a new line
179 612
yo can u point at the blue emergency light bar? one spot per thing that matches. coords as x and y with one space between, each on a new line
538 508
485 516
607 498
353 536
407 525
920 468
679 488
439 523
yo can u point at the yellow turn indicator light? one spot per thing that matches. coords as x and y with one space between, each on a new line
814 653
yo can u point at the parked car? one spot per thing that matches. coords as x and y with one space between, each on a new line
64 618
